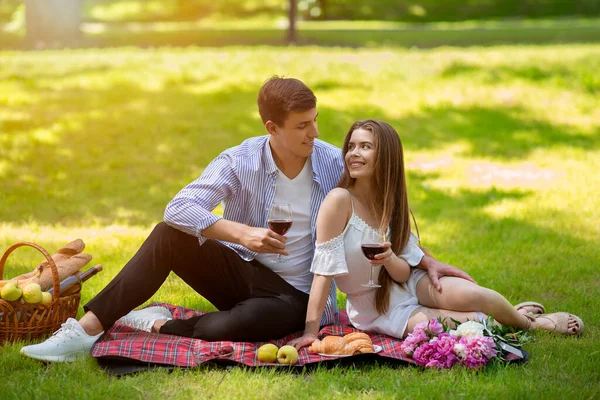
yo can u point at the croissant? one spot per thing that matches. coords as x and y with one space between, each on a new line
360 341
353 343
331 345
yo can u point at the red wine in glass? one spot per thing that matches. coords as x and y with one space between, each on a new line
280 222
371 244
372 249
280 226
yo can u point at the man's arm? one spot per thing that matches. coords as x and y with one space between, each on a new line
436 269
191 211
420 258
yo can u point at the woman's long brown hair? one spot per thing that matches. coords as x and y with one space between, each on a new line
390 205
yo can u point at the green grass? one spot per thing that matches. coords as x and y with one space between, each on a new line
502 146
261 31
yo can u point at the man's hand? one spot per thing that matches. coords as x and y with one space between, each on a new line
436 269
263 240
305 340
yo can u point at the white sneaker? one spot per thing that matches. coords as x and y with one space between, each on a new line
145 318
65 345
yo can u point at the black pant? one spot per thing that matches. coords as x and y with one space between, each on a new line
255 303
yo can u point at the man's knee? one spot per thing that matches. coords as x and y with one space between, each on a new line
163 234
162 229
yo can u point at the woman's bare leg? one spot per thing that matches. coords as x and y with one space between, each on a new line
462 295
423 314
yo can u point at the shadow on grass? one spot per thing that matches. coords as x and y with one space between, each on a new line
532 259
573 77
118 154
501 133
114 155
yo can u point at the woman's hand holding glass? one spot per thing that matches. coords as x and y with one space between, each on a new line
383 258
377 250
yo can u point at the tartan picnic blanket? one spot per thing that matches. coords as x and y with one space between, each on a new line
123 342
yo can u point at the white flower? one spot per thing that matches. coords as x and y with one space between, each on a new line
459 350
468 329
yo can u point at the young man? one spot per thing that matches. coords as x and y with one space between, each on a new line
227 260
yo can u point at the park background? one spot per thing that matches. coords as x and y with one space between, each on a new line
109 107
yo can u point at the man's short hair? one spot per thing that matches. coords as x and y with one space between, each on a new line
280 96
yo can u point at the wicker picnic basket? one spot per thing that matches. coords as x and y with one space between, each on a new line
24 321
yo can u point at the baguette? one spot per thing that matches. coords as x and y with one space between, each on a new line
65 269
64 253
68 260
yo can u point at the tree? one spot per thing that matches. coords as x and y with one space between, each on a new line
323 6
52 22
292 35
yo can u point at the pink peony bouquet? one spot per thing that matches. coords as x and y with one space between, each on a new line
472 344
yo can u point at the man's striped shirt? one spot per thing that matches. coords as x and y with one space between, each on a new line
243 179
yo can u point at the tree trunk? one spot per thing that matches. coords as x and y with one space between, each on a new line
323 5
52 23
292 37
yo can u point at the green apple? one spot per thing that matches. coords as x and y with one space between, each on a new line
287 355
11 291
46 298
267 353
32 293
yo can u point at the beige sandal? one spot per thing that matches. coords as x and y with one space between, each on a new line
562 323
539 309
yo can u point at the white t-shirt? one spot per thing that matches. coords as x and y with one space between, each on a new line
295 268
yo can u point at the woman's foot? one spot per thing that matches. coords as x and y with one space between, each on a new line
530 307
560 322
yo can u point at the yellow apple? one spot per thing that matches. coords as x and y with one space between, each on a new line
267 353
287 355
46 298
32 293
11 291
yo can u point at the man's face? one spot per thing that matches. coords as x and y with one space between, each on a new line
298 133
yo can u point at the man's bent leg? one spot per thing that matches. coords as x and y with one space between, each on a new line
269 309
255 319
213 270
143 275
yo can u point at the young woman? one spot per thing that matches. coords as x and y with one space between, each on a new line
372 196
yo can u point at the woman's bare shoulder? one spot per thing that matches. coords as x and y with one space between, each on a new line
334 214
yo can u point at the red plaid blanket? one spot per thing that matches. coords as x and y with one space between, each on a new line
124 342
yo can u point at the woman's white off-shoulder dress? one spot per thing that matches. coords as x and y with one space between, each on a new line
342 258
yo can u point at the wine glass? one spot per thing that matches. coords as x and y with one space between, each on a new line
280 221
371 244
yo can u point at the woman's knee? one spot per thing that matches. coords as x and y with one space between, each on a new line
480 298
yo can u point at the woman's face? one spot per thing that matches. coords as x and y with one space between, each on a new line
361 156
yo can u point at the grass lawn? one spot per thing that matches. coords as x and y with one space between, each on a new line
327 33
503 152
